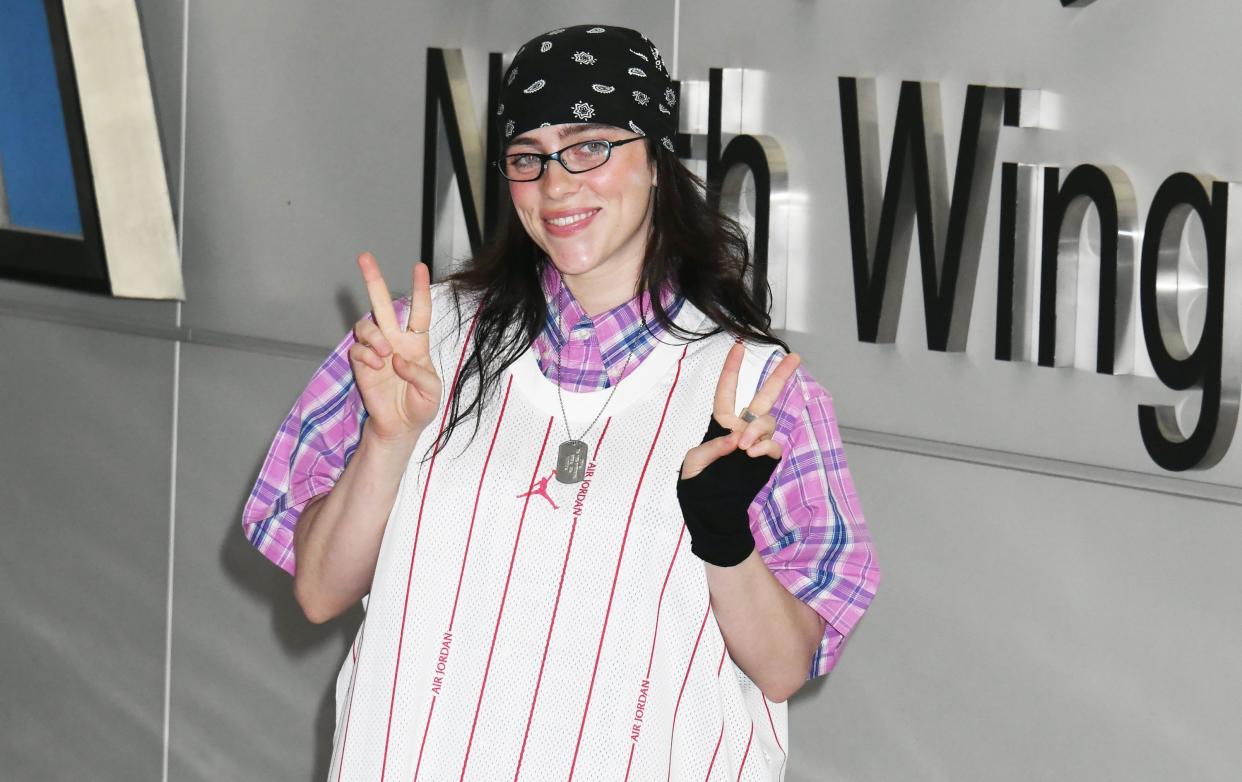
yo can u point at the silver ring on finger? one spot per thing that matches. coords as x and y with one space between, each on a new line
746 415
419 331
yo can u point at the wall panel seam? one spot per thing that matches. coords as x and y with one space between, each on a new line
173 333
173 445
1041 465
1062 468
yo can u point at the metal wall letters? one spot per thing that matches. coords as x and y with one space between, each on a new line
1042 213
1031 193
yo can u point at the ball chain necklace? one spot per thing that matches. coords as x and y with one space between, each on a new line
571 457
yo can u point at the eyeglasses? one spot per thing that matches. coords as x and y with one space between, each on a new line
575 158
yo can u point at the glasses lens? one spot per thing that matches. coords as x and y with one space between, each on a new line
586 156
521 168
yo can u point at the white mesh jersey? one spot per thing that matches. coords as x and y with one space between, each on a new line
523 628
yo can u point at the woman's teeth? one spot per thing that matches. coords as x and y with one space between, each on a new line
571 219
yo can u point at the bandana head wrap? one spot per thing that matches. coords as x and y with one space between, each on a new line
589 73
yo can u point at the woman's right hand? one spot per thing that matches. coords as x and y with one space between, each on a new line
392 365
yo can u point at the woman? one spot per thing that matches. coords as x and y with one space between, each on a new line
562 569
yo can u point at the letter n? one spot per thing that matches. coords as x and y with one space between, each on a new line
950 228
448 95
1065 207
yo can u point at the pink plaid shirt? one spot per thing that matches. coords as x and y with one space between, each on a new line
807 523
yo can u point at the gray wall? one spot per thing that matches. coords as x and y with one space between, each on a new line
1053 606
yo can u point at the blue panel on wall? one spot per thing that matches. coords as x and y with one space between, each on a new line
34 150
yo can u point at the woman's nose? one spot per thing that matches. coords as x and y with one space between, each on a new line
557 181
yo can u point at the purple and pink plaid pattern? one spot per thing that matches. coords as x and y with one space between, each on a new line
594 351
807 522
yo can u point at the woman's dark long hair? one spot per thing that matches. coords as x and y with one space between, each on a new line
697 250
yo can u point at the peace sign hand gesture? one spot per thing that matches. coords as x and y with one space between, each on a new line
720 477
392 366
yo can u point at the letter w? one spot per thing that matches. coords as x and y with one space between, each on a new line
950 228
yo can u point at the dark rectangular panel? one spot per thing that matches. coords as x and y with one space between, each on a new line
51 223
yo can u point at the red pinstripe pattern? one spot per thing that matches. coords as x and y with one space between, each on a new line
656 631
716 751
745 752
410 576
712 763
772 725
673 730
503 595
552 623
461 574
630 762
660 604
349 711
426 729
620 555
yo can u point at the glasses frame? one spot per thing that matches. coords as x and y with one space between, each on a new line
550 156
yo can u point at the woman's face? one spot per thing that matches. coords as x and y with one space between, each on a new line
594 225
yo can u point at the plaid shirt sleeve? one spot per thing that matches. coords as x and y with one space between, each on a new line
308 455
807 522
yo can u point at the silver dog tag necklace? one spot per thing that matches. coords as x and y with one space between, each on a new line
571 457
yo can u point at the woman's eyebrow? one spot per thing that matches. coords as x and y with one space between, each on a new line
563 133
573 130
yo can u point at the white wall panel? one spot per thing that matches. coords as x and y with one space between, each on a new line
252 679
86 419
1032 628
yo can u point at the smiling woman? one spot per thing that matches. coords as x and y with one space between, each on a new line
633 597
591 220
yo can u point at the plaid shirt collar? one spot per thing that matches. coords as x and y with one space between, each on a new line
596 352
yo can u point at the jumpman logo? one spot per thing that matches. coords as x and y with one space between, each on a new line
540 487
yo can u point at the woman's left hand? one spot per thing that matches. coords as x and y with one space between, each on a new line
721 476
754 437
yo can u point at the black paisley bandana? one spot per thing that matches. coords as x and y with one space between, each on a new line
589 73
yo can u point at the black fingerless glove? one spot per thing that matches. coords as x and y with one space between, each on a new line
715 501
